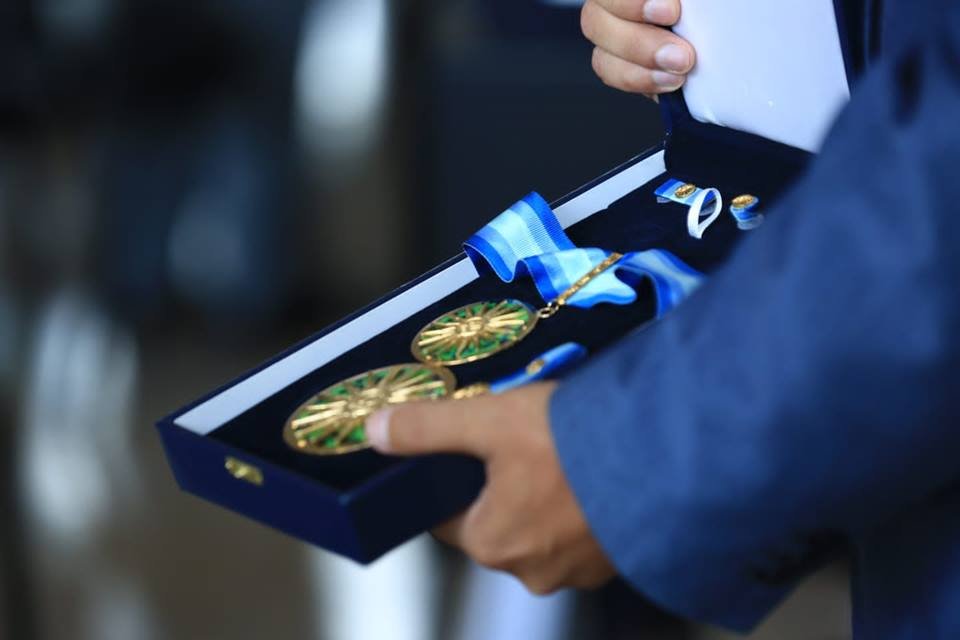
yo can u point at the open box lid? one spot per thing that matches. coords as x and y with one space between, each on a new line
717 29
769 75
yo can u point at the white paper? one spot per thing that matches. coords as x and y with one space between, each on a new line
772 68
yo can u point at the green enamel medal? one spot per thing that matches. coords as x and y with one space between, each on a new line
332 421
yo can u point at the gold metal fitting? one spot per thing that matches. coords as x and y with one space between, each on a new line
744 201
243 471
536 366
685 191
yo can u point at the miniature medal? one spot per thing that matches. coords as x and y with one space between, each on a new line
482 329
675 191
332 421
685 191
745 211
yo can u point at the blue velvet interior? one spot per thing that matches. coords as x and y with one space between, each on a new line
635 222
709 155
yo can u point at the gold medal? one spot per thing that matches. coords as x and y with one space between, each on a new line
482 329
744 201
685 190
473 332
332 421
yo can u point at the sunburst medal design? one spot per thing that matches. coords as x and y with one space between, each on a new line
473 332
332 421
482 329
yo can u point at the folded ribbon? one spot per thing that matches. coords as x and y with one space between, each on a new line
698 221
549 365
680 192
527 239
745 210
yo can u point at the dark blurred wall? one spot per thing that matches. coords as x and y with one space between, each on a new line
508 103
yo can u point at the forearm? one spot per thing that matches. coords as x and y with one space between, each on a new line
808 388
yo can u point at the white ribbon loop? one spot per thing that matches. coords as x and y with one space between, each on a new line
697 221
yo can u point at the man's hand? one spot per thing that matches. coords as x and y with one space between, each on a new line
526 520
634 52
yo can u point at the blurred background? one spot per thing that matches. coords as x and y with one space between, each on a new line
188 187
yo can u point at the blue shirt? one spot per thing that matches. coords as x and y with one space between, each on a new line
807 398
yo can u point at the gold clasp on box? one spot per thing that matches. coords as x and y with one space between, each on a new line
244 471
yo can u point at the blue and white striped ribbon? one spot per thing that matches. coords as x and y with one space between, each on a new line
549 365
748 217
673 279
528 228
527 239
667 192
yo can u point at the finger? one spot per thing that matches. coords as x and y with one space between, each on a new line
665 13
633 78
450 532
430 427
643 44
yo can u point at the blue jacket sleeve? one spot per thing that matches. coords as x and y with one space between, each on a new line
809 390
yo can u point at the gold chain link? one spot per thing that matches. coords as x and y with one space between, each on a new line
561 301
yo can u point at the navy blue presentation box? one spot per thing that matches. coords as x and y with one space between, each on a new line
748 121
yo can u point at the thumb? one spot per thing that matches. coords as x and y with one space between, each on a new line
428 427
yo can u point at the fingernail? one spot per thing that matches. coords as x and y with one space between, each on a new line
659 12
666 80
672 57
378 430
